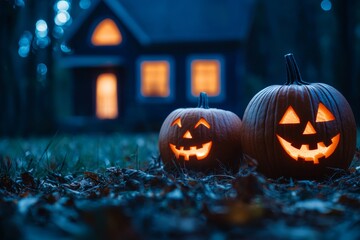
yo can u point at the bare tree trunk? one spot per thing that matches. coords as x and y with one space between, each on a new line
346 63
9 93
25 102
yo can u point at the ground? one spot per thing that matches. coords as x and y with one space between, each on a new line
114 187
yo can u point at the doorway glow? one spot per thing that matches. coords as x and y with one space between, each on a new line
106 96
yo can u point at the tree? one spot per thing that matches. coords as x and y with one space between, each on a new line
25 100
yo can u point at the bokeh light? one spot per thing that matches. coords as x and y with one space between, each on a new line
326 5
41 29
58 32
24 44
62 5
41 69
42 42
24 51
84 4
61 18
65 49
20 3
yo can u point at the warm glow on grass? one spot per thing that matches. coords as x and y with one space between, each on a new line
106 33
106 96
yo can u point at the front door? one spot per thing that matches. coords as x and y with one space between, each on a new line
106 96
99 92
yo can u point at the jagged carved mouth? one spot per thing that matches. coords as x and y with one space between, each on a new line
308 154
200 152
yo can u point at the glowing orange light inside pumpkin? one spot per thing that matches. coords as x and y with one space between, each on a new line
309 129
310 155
106 33
200 153
324 114
106 96
155 78
290 117
304 152
177 122
203 122
187 134
205 77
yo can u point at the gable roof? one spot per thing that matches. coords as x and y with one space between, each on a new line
170 21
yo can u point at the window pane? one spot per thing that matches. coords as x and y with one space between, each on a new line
205 77
106 96
155 80
106 33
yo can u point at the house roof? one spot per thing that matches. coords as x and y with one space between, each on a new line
170 21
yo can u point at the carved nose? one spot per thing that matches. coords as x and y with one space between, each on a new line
187 134
309 129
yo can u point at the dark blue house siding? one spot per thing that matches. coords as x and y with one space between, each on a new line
203 28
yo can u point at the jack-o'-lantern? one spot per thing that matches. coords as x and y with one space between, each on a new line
201 139
300 130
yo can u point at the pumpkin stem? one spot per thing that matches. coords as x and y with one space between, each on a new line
203 101
292 70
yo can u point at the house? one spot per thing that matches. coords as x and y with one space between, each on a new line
134 61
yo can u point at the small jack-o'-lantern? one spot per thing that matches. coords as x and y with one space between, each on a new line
299 130
201 139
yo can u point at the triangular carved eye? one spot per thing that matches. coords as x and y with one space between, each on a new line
290 117
324 114
203 122
176 122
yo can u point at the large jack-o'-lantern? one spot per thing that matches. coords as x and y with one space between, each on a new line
201 139
309 150
299 130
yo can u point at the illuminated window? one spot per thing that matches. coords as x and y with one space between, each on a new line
106 96
155 79
106 33
205 77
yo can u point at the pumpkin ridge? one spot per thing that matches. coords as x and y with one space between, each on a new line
340 118
277 157
311 91
270 99
257 110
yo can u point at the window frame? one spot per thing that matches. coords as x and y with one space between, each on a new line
155 58
222 85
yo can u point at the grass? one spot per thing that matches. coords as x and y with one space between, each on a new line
111 187
67 154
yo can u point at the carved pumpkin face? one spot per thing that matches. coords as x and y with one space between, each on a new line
199 153
299 130
313 146
200 139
